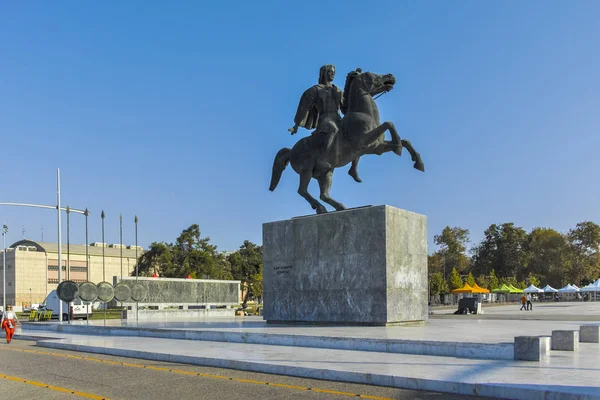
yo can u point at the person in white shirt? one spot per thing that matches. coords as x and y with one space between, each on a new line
9 322
529 305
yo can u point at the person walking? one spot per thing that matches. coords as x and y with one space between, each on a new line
9 322
523 303
529 305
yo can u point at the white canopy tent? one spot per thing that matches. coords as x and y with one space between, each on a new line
568 289
549 289
592 287
533 289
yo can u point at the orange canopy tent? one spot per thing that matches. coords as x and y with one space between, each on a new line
477 289
464 289
470 289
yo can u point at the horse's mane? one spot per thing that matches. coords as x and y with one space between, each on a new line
349 79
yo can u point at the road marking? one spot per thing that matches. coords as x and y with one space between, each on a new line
182 372
55 388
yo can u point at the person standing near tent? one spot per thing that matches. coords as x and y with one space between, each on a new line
8 322
529 305
523 303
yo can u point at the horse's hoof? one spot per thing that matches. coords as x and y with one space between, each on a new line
321 210
420 166
354 175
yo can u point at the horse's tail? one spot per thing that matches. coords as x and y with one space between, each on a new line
282 159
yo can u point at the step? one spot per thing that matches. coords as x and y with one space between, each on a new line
487 351
577 373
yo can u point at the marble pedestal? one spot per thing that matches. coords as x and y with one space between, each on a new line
363 266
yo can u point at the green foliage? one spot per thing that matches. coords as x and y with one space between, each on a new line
483 281
452 243
583 259
502 249
191 254
470 279
246 266
510 280
494 282
455 280
435 263
533 280
437 284
548 253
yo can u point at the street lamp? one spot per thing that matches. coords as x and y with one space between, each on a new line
68 244
87 258
136 247
4 232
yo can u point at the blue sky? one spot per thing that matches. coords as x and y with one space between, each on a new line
174 112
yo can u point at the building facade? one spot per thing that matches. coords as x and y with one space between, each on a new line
32 267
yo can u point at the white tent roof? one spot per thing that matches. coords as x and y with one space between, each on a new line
568 289
592 287
549 289
533 289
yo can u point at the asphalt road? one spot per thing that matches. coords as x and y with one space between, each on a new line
29 372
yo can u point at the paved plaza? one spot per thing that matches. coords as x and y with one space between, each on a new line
461 354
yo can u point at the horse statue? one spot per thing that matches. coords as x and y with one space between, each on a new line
360 133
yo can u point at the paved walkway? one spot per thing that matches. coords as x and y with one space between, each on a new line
441 352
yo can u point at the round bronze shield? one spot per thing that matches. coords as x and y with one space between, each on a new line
122 292
138 292
67 291
105 291
88 291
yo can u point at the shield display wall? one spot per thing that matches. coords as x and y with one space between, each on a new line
88 291
105 292
122 292
67 291
138 292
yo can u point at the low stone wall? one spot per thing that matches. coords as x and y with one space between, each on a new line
176 313
184 292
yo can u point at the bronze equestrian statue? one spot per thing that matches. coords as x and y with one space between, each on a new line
339 141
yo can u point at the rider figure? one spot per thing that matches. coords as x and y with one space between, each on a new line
319 109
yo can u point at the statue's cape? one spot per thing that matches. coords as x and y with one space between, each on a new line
307 114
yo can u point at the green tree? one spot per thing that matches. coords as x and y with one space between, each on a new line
437 284
502 249
452 243
547 253
193 253
158 256
583 260
483 281
190 254
455 280
494 282
435 263
246 266
510 280
470 279
533 280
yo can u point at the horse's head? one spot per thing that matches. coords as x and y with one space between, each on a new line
374 83
360 83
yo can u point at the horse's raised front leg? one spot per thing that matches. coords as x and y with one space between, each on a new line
325 181
415 156
305 178
373 135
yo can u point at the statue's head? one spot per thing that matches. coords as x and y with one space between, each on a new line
326 73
